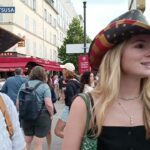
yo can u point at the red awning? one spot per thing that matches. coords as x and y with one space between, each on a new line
10 63
6 67
51 67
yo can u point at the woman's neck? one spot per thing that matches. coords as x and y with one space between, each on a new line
129 87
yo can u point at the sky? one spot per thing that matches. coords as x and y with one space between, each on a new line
100 12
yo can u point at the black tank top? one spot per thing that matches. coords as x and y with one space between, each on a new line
123 138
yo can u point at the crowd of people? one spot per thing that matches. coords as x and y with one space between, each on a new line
49 89
110 111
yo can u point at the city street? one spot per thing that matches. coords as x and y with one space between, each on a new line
56 141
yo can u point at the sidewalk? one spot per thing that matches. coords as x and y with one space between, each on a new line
56 141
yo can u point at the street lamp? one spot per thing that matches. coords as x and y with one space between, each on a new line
84 8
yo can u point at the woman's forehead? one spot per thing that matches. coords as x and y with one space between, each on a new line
140 37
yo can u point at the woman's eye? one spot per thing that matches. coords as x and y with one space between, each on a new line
140 45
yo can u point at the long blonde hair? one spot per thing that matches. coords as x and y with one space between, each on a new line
108 86
146 101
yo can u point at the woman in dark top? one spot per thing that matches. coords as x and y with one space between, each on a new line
72 88
121 97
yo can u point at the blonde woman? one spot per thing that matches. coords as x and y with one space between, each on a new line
121 98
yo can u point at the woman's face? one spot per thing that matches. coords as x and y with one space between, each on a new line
136 57
91 77
64 73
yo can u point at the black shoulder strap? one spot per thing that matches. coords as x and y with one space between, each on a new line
27 84
37 85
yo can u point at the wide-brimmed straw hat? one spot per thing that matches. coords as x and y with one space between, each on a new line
7 39
125 26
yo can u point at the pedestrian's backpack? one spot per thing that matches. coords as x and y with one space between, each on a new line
29 108
76 90
6 116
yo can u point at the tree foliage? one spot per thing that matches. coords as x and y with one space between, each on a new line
75 35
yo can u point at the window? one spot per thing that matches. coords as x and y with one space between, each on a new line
54 22
30 3
50 37
34 26
51 2
27 22
34 48
58 21
45 34
54 55
50 18
54 39
50 54
34 5
45 14
27 2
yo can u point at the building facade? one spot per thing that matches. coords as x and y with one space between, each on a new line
42 23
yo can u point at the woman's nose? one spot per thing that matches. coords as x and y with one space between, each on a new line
148 52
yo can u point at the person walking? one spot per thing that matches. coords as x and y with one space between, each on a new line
38 128
54 99
11 136
72 88
13 84
87 82
16 141
120 114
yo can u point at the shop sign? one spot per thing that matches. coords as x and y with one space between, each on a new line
7 9
83 63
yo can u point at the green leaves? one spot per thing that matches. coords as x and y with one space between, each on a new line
75 35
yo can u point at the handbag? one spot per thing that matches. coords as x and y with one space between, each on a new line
88 142
6 116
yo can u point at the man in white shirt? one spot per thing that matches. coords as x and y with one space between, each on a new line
16 141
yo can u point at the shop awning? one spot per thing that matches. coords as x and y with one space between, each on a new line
7 67
10 63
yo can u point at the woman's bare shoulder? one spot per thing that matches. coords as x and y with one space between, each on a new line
78 103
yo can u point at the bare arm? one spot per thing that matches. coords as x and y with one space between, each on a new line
17 104
49 105
74 130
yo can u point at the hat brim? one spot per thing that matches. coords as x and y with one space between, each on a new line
62 66
112 35
7 39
